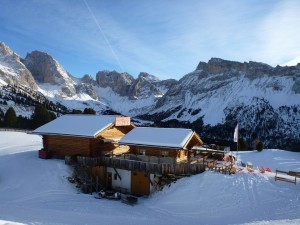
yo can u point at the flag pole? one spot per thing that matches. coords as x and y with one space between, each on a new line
236 139
237 149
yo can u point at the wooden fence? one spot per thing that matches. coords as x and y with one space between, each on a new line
148 167
15 130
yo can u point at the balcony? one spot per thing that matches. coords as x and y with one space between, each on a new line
143 166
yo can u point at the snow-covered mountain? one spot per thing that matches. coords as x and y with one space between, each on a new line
12 70
264 100
49 74
131 96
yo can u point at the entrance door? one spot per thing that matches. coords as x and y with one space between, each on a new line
140 183
109 181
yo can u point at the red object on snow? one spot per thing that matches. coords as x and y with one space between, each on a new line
263 169
269 170
43 154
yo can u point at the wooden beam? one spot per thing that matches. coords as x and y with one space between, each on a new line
150 180
117 173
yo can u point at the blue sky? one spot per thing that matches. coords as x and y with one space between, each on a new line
166 38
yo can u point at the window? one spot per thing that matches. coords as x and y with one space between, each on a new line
115 176
142 152
164 153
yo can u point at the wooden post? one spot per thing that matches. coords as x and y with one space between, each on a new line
97 184
91 184
237 150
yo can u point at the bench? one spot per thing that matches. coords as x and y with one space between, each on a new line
293 173
286 176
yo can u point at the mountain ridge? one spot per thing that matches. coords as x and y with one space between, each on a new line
211 99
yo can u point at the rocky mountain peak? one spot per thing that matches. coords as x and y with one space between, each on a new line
88 79
5 50
46 69
217 66
144 86
251 69
257 69
148 77
118 82
12 70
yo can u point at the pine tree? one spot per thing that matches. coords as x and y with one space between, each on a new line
259 146
76 111
89 111
1 118
10 118
41 116
243 145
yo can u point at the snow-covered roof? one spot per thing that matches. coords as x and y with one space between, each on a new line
76 125
163 137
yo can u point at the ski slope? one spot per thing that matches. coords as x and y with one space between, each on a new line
36 191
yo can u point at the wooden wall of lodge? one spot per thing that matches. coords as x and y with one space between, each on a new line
114 132
155 151
72 146
174 153
193 142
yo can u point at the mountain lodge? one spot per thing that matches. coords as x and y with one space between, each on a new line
119 155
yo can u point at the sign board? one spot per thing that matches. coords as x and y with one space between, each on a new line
122 121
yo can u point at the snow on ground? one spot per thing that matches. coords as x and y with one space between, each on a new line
16 142
36 191
279 159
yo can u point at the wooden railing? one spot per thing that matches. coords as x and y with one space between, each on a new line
148 167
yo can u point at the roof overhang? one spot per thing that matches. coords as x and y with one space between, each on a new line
63 135
151 146
194 134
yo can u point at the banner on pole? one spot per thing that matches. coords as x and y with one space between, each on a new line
236 133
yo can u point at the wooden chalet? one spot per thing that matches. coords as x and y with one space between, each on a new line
119 155
154 146
161 145
83 135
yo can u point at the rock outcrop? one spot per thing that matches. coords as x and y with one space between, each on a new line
12 70
47 70
119 82
125 85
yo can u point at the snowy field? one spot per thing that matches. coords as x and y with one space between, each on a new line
36 191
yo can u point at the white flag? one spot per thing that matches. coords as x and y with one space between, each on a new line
236 133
